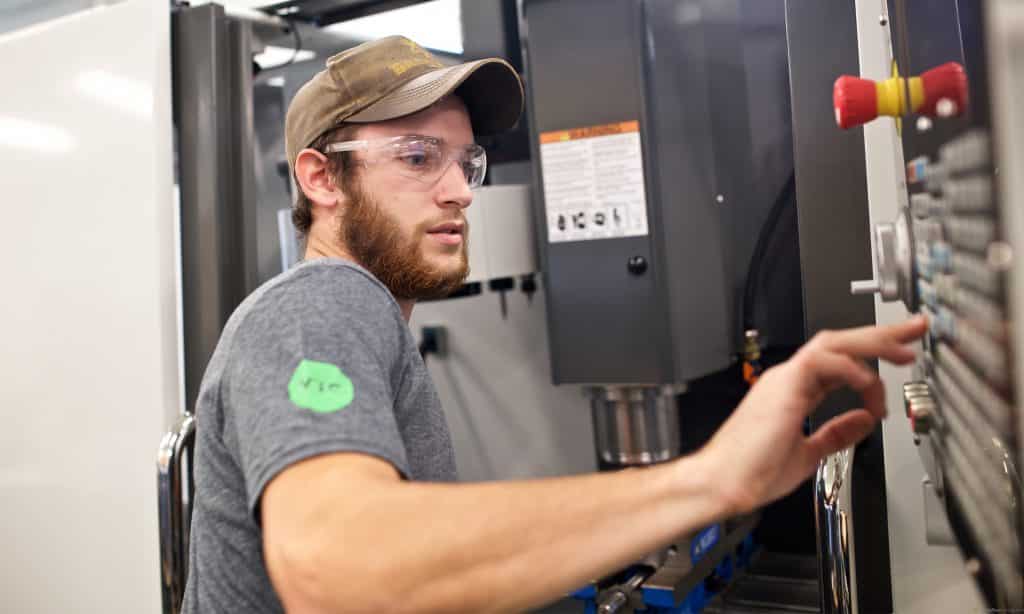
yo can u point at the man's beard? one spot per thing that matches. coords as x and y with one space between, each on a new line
376 242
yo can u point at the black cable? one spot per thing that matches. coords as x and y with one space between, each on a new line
295 51
763 239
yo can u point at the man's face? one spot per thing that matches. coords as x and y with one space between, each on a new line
411 236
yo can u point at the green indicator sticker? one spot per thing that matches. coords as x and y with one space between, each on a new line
320 387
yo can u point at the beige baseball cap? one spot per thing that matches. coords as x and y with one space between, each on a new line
393 77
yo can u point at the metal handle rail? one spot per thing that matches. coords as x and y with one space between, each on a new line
835 538
175 492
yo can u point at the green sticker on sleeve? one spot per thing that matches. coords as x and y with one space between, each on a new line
320 387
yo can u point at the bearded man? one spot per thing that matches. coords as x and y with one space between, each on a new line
323 465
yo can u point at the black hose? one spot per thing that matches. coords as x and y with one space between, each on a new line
763 239
297 48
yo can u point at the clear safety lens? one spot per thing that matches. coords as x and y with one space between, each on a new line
422 158
427 159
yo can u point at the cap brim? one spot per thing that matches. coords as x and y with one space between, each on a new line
490 89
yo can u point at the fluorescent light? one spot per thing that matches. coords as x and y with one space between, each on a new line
277 56
277 81
26 134
125 94
435 25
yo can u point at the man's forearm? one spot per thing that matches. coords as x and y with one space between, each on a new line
499 546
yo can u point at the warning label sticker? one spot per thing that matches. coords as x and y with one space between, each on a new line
594 182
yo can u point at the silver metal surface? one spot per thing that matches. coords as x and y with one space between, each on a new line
895 251
932 468
970 416
174 500
613 603
214 119
243 143
974 272
885 253
990 404
1006 56
869 286
835 539
287 239
617 599
636 425
971 233
989 530
936 525
912 390
971 442
922 415
972 194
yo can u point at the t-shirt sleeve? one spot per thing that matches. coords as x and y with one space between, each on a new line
313 370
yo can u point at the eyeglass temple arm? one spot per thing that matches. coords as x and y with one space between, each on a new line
346 146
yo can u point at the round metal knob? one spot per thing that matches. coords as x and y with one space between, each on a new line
912 391
922 415
888 269
893 262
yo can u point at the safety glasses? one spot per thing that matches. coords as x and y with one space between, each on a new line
423 159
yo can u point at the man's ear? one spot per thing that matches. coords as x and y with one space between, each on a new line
313 173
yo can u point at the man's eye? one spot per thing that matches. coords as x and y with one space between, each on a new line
414 160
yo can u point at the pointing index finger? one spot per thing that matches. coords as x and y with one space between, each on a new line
879 341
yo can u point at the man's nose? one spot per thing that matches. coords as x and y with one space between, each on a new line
453 189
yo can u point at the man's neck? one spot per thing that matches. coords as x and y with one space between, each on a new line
318 248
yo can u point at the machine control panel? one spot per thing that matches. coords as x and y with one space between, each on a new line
945 256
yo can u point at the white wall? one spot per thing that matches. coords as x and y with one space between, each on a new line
17 14
507 419
87 316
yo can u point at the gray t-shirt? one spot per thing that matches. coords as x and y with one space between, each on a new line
318 359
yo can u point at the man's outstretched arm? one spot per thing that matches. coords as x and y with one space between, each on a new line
342 532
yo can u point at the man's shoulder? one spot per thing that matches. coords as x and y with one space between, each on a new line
321 284
321 296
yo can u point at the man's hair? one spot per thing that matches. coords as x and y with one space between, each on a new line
338 167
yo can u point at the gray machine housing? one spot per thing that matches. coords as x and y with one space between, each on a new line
707 83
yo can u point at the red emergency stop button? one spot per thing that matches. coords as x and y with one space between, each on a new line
939 92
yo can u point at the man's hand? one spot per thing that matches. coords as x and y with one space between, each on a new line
761 451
